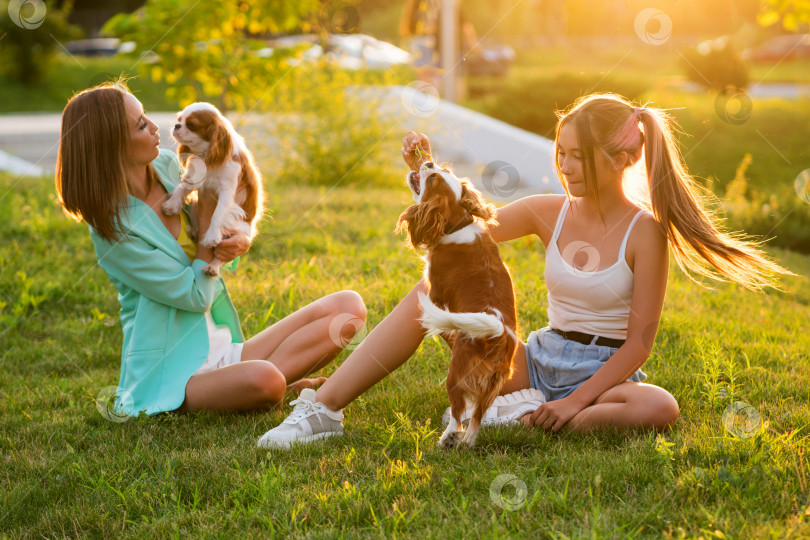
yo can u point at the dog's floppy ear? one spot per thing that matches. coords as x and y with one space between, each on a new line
425 222
473 203
220 145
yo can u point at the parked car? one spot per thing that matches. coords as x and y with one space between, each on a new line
490 60
350 51
99 47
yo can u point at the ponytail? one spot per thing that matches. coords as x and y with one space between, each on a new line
695 235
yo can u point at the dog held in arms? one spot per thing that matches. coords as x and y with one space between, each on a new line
472 300
217 159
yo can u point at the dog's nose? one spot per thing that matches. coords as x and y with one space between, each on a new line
178 126
428 165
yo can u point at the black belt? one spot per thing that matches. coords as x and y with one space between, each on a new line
586 339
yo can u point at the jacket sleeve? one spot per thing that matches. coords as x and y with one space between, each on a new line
141 266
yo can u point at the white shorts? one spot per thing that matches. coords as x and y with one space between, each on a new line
221 351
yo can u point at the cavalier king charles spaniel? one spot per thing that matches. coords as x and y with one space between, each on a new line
216 159
472 301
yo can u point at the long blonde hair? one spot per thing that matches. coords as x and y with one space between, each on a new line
611 124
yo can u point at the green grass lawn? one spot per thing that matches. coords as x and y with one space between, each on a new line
67 471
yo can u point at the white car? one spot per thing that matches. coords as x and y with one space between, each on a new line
349 51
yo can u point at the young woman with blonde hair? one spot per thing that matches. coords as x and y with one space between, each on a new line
607 261
183 347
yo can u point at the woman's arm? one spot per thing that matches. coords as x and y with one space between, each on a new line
535 214
139 265
650 256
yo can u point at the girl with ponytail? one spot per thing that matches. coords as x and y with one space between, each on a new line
607 261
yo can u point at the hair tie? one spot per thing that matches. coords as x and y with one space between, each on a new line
637 112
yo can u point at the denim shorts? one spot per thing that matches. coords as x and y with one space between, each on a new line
557 366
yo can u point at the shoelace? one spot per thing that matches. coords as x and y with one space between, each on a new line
303 407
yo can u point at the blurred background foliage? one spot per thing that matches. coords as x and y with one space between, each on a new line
324 131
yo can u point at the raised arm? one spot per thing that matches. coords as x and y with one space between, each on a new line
536 214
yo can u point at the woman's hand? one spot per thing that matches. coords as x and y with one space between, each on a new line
413 157
553 415
234 244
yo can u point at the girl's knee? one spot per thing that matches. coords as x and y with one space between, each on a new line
665 412
349 302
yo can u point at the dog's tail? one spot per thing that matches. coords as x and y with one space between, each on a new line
476 325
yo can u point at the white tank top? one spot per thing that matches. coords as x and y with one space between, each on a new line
593 302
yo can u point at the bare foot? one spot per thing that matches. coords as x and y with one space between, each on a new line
297 386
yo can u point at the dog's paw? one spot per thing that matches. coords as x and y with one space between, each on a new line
451 438
212 237
210 270
169 208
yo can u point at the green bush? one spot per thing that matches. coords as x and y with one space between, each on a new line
715 64
529 102
782 219
327 128
32 34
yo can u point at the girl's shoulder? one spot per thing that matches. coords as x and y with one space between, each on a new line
647 234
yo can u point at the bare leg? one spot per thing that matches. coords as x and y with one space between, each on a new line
243 386
290 349
627 405
520 372
386 348
310 338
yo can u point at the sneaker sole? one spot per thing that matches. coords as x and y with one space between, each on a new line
271 443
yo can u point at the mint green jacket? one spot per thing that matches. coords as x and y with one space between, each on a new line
163 303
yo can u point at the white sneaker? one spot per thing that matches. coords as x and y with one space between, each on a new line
309 421
505 410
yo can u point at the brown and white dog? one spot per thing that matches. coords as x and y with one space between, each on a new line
217 159
472 301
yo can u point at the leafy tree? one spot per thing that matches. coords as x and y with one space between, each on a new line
204 51
793 13
32 32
